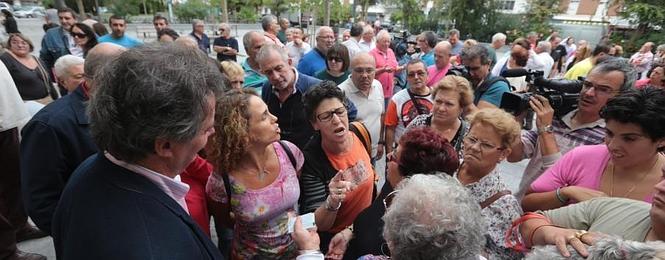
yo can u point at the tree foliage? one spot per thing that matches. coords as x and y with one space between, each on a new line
648 15
192 9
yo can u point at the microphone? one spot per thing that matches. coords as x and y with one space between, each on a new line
513 73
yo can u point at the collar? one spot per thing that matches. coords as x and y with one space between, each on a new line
174 188
568 121
295 83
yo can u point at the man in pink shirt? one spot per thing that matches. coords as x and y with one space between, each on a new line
441 63
386 63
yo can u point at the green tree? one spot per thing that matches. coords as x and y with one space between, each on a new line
247 14
649 18
539 15
192 9
410 13
125 8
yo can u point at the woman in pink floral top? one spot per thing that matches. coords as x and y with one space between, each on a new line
262 173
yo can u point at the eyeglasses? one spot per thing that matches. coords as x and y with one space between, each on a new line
335 59
19 43
327 116
79 35
417 73
388 200
364 70
470 141
600 90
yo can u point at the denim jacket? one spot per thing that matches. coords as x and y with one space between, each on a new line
54 45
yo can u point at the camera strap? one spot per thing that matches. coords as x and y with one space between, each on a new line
487 83
422 110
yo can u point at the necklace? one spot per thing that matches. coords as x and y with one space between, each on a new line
632 188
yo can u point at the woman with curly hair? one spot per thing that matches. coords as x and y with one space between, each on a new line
255 177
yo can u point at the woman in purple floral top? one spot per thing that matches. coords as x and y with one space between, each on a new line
262 176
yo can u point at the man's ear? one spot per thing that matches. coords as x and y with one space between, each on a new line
163 148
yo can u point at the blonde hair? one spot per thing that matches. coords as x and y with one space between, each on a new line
504 124
470 42
232 69
457 84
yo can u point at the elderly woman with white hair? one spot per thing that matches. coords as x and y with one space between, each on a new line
69 72
607 248
430 217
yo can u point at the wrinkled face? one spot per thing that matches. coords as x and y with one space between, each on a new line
383 43
257 42
362 73
628 144
482 147
519 54
66 20
223 31
159 24
446 106
263 128
656 78
477 70
331 120
118 27
325 40
416 76
73 78
274 26
80 38
184 152
441 57
279 73
453 39
199 27
597 89
19 46
368 35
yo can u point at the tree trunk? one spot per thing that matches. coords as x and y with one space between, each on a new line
79 4
326 19
145 8
225 11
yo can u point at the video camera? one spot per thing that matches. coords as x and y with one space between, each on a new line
562 94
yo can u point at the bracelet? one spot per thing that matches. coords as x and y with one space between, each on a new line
560 197
329 208
534 232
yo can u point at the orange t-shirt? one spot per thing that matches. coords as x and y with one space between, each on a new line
361 197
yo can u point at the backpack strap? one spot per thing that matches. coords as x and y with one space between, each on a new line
359 129
288 152
227 187
494 198
483 87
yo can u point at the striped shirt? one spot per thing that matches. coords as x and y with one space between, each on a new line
566 137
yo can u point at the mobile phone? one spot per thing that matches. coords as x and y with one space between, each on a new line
307 221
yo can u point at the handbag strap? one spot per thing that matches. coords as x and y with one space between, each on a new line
45 79
494 198
419 107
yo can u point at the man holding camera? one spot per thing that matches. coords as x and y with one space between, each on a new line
582 126
488 90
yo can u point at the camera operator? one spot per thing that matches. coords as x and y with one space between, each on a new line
583 126
487 89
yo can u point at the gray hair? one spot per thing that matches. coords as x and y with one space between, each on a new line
660 48
608 248
617 64
453 32
63 63
267 50
195 22
476 51
498 37
170 102
322 28
434 217
383 34
544 46
247 39
266 21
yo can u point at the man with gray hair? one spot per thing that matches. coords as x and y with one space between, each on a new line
297 47
315 60
543 50
68 71
270 29
131 189
283 27
198 34
555 136
252 42
453 39
498 41
57 140
225 45
353 43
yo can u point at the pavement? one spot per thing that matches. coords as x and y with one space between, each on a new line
32 28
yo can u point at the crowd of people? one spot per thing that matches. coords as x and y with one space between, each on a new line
120 149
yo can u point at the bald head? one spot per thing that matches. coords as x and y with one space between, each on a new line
187 42
98 57
442 54
362 58
253 41
363 68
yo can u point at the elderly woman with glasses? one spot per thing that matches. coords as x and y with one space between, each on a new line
420 151
337 180
29 74
488 143
430 217
627 165
337 64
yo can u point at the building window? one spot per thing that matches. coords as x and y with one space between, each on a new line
507 5
572 7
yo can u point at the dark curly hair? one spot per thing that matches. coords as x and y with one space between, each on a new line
422 150
92 37
317 93
642 107
228 144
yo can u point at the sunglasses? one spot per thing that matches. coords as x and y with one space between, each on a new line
335 59
79 35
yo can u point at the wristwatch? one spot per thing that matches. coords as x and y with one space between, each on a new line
546 129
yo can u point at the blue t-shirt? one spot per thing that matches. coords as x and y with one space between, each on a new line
428 58
311 63
124 41
493 94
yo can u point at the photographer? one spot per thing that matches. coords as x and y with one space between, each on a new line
583 126
487 89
